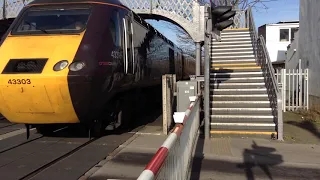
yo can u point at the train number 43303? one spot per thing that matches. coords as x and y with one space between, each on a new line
19 81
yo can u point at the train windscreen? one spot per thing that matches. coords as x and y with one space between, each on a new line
36 20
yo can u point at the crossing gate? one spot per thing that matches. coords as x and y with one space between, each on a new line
294 86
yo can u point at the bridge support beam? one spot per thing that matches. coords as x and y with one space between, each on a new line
198 59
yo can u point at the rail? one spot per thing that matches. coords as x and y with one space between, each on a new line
172 160
263 59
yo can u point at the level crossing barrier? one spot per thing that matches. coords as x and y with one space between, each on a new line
173 158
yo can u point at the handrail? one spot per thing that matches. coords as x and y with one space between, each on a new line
263 44
263 59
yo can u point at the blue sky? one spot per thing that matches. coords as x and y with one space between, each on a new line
278 10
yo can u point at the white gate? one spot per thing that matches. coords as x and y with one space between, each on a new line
294 87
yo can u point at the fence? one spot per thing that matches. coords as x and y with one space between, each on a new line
294 86
172 160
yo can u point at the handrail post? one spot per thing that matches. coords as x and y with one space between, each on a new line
280 117
208 38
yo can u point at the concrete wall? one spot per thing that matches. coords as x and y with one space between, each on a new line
275 47
292 57
309 46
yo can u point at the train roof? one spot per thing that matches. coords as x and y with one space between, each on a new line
116 2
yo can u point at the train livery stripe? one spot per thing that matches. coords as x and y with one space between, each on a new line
77 2
87 85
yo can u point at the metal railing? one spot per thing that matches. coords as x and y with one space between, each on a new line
294 86
172 160
263 59
238 19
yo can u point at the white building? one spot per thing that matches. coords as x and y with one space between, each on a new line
277 37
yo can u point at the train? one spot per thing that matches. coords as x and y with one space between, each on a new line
82 62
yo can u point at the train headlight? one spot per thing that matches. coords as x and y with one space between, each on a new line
60 65
76 66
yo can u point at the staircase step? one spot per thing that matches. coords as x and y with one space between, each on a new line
216 51
242 118
233 53
231 46
236 74
234 35
240 104
233 56
215 43
242 111
215 64
234 39
235 66
235 30
237 91
240 97
234 70
238 85
230 69
237 80
243 133
233 61
269 127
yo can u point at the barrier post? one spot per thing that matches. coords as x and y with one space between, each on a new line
168 94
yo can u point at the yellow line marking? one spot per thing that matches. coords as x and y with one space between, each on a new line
236 64
242 132
227 68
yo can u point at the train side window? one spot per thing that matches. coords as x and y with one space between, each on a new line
112 28
115 28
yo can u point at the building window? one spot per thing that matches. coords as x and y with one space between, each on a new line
293 30
284 35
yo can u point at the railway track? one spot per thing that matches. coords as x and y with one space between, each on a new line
54 157
58 159
62 156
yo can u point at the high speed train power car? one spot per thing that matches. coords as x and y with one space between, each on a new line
81 62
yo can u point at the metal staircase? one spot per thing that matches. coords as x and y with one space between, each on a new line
244 97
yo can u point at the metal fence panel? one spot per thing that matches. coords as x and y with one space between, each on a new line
294 87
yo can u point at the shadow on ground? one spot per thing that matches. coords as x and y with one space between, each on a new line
258 162
300 130
258 157
307 125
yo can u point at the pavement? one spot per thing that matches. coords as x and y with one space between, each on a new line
250 158
130 159
217 158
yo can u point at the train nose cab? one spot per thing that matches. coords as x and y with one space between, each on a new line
36 57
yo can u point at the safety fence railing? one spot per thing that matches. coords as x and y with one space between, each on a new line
172 160
294 86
